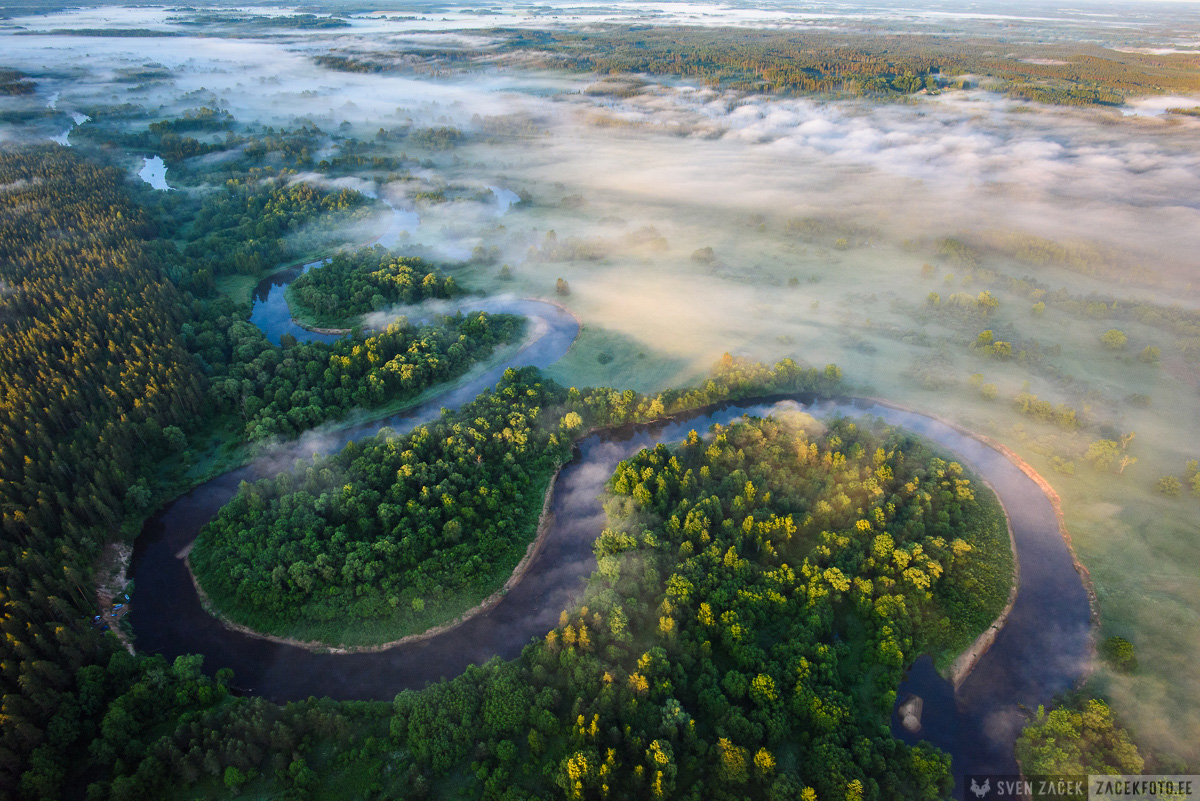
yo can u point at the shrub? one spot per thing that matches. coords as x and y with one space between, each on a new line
1119 653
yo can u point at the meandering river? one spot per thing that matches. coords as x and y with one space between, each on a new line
269 307
1041 651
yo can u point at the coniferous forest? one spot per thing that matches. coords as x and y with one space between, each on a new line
97 384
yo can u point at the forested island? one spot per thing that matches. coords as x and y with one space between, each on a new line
367 280
399 534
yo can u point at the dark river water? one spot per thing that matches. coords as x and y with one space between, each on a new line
1041 651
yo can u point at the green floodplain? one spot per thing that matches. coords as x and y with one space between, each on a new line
995 232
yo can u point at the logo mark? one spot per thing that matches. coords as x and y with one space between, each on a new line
981 790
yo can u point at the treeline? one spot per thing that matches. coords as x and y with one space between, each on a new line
283 391
349 64
243 148
163 139
1086 69
357 164
200 119
122 33
411 59
1065 95
356 282
734 379
841 234
742 59
305 22
857 64
406 532
757 595
1084 257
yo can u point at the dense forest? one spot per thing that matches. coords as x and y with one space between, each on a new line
243 228
94 380
366 280
758 591
395 534
15 82
396 531
1078 738
97 338
247 151
262 391
254 21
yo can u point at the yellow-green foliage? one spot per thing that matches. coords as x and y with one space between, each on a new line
1072 742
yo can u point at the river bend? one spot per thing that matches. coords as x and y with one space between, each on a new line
1041 651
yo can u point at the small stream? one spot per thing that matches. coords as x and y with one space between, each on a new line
77 119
